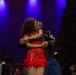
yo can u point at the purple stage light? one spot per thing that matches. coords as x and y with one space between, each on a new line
3 8
32 3
2 4
62 3
32 8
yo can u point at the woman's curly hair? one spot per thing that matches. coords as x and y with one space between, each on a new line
28 26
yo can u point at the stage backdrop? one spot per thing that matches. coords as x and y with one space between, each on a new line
14 12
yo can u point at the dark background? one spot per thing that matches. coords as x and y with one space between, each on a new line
58 16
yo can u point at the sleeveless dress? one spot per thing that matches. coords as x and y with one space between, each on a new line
35 56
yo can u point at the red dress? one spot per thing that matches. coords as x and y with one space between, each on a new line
35 56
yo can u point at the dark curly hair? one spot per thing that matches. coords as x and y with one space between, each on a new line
28 26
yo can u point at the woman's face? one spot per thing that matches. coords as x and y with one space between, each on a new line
40 25
36 25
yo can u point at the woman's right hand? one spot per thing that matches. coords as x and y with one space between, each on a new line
45 44
22 41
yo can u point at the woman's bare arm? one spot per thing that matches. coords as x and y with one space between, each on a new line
30 45
39 35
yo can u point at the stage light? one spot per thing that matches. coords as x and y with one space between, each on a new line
32 8
62 3
2 4
3 9
32 2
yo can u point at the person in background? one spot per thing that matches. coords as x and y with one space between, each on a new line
24 71
73 69
53 67
17 72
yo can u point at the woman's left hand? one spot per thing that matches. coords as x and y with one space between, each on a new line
45 44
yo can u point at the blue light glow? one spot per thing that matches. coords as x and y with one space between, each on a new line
32 8
2 4
3 8
62 3
33 3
